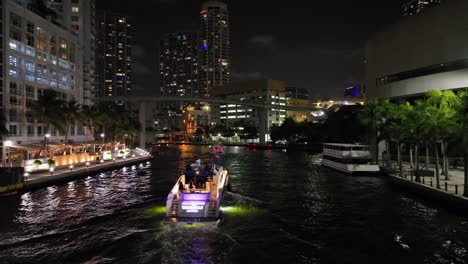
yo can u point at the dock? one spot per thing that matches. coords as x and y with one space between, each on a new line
65 174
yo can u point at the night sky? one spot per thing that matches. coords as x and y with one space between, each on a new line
315 44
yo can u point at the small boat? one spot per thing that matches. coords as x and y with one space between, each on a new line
197 194
349 158
216 149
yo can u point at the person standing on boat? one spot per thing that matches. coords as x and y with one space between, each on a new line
191 185
181 186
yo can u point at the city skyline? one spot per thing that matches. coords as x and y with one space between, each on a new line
320 50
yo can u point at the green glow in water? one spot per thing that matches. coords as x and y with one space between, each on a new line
238 210
156 210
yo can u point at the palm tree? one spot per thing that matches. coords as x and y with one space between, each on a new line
371 116
88 116
106 118
397 129
47 110
433 129
71 113
446 102
413 124
385 111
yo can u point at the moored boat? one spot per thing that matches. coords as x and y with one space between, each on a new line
349 158
197 194
216 149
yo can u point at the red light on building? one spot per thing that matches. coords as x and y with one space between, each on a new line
203 12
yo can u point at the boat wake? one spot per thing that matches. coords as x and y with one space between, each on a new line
242 199
194 243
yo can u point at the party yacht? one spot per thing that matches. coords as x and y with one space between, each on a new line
197 194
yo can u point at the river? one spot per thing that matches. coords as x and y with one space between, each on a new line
283 208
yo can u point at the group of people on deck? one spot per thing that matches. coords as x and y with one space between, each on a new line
197 175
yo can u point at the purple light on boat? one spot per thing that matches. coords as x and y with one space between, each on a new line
195 196
192 206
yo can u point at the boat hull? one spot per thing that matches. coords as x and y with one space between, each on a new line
351 168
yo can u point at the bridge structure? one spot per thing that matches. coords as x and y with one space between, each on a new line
260 108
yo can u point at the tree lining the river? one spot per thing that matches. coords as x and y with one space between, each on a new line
116 122
435 127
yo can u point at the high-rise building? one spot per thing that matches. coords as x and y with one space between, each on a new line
114 61
214 47
414 7
78 17
39 54
179 64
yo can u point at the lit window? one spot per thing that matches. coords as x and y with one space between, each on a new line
53 59
75 9
13 73
13 45
29 66
13 61
30 78
64 64
30 51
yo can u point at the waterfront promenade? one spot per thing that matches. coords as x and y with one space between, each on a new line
454 184
450 193
65 173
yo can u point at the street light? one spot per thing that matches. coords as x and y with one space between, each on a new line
103 136
125 140
47 136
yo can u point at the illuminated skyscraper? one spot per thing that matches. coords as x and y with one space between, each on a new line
414 7
214 47
114 63
179 64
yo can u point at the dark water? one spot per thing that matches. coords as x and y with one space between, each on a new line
283 209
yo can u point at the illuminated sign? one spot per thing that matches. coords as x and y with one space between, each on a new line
192 206
352 91
203 12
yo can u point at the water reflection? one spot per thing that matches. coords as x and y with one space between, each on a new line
284 208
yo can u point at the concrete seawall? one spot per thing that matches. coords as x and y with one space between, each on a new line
450 201
80 173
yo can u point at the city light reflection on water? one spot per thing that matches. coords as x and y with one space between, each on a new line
283 208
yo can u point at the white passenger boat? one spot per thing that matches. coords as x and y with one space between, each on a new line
197 194
349 158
